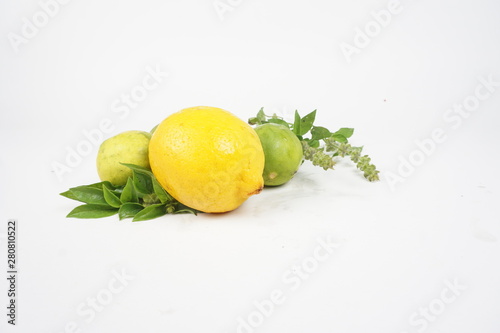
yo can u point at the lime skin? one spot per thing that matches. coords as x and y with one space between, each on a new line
283 153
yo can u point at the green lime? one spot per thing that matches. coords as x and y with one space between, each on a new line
127 147
283 153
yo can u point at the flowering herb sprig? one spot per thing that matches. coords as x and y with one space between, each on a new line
320 145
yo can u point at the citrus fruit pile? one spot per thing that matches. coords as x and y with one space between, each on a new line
205 159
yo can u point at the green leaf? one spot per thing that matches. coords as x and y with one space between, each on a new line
160 192
261 116
100 184
90 211
118 190
68 194
111 198
129 194
306 123
278 121
313 143
296 124
339 138
319 133
346 132
129 209
150 212
253 121
138 169
142 179
89 194
142 183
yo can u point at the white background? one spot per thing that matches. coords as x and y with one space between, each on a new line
401 242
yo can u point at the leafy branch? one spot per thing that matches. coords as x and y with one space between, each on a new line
322 146
141 198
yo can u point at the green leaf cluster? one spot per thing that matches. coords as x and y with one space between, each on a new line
320 145
141 198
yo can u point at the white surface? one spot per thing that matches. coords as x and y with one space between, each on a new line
398 249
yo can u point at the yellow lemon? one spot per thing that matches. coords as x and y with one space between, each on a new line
207 159
127 147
